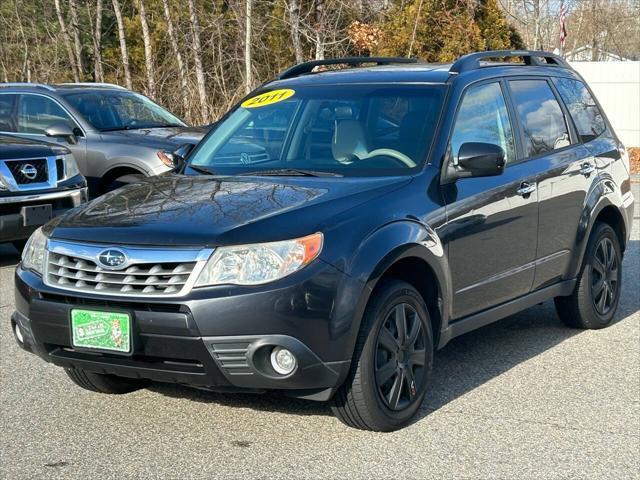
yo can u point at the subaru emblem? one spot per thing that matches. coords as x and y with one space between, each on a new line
112 259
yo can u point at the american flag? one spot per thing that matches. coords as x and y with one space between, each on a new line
563 25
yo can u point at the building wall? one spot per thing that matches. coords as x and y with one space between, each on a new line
617 86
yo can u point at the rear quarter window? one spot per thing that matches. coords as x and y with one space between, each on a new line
582 107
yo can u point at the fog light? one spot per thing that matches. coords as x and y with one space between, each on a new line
283 361
19 334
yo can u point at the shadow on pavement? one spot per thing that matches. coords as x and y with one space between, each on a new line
9 256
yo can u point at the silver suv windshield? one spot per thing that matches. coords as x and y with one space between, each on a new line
337 129
121 110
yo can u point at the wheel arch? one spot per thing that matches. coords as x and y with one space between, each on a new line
119 171
603 204
408 251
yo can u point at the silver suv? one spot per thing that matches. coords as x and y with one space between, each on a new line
117 136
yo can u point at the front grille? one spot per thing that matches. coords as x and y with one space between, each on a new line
20 169
151 272
85 275
60 168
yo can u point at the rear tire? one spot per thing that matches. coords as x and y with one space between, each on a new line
594 301
110 384
392 364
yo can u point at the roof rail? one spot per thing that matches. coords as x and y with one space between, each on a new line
91 84
530 57
27 84
307 67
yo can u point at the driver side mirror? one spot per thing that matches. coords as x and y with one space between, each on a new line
476 159
61 130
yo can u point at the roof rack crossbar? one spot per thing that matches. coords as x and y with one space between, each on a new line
530 57
92 84
26 84
307 67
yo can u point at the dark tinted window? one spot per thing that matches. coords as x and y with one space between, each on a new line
483 118
583 108
7 120
121 110
541 117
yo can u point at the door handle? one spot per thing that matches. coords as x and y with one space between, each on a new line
526 189
587 169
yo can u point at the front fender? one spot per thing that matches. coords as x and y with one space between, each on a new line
375 255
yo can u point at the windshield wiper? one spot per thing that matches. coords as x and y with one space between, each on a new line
114 129
291 172
201 169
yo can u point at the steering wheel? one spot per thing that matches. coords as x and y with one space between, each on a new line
389 152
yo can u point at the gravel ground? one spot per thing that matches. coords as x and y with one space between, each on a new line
522 398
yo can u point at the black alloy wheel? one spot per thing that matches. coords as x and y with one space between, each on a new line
400 357
604 274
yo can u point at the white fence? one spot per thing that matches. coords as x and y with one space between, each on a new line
617 86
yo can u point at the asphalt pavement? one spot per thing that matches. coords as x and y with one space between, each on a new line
525 397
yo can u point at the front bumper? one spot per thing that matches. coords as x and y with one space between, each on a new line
12 223
218 338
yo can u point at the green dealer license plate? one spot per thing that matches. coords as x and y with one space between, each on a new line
101 330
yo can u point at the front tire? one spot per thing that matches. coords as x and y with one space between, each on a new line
392 363
595 298
100 383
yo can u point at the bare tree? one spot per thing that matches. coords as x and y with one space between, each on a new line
182 71
197 54
319 29
148 51
98 72
248 80
75 29
123 44
294 19
67 40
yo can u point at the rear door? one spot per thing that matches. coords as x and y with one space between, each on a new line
566 172
492 222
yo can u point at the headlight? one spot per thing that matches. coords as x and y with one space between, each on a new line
70 166
260 262
34 250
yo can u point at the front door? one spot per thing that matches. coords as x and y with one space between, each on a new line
492 222
36 112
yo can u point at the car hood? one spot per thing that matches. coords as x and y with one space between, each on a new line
214 211
158 137
15 148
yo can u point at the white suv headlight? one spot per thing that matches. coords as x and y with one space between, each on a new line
70 166
34 252
259 263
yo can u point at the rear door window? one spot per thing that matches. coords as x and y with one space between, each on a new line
541 117
37 113
582 107
7 118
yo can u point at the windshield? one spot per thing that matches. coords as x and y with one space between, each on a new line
121 110
347 130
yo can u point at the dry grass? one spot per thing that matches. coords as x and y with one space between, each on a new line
634 155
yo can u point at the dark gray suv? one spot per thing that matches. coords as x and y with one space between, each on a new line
116 136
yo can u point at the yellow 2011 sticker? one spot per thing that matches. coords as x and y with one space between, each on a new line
268 98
